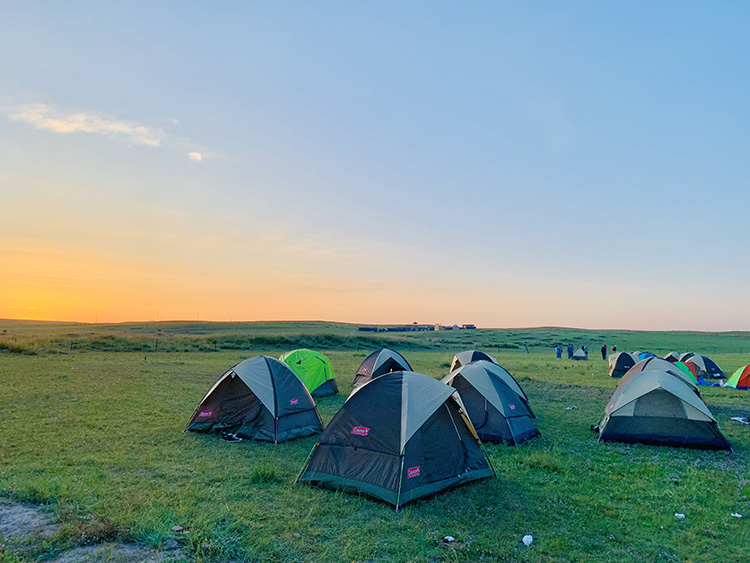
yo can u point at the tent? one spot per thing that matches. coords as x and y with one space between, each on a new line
379 363
672 357
620 363
638 355
498 372
259 398
686 356
663 365
704 366
314 369
655 407
498 413
580 355
468 356
740 379
398 438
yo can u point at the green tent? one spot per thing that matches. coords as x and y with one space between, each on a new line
314 369
686 369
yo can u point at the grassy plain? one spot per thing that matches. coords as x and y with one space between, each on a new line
93 430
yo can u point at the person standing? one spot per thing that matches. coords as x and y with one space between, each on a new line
558 352
570 351
604 351
586 351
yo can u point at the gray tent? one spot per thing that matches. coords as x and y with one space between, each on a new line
672 357
655 363
655 407
498 413
580 355
496 371
620 363
259 398
379 363
468 356
702 366
399 437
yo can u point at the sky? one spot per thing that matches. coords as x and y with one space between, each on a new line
500 163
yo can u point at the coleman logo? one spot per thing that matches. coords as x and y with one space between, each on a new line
512 406
205 413
412 472
360 431
293 401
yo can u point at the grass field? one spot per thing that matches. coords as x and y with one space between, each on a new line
97 436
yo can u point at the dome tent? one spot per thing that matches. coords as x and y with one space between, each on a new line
655 407
663 365
498 413
620 363
259 398
580 355
314 369
703 365
498 372
672 357
740 379
468 356
399 437
379 363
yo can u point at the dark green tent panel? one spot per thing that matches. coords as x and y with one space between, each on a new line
259 398
656 407
468 356
314 369
498 413
379 363
399 437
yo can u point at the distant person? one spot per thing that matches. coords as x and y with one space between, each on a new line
558 352
604 351
586 351
570 351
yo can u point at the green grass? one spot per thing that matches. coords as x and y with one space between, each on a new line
98 436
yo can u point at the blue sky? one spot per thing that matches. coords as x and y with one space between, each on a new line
509 164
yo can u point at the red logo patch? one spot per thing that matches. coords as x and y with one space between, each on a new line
360 431
512 406
412 472
293 401
205 413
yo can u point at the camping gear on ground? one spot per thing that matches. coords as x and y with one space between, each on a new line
580 355
672 357
740 379
498 413
468 356
499 372
399 437
620 363
663 365
702 366
259 398
314 369
656 407
379 363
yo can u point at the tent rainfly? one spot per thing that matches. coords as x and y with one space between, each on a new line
468 356
672 357
314 369
655 407
379 363
259 398
678 370
399 437
498 413
704 366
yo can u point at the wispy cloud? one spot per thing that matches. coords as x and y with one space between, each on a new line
47 118
196 156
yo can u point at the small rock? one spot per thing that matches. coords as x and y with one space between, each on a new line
449 539
679 515
177 529
527 539
170 545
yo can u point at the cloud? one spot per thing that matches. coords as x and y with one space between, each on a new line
47 118
196 156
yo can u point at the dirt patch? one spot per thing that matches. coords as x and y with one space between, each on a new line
116 553
22 522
